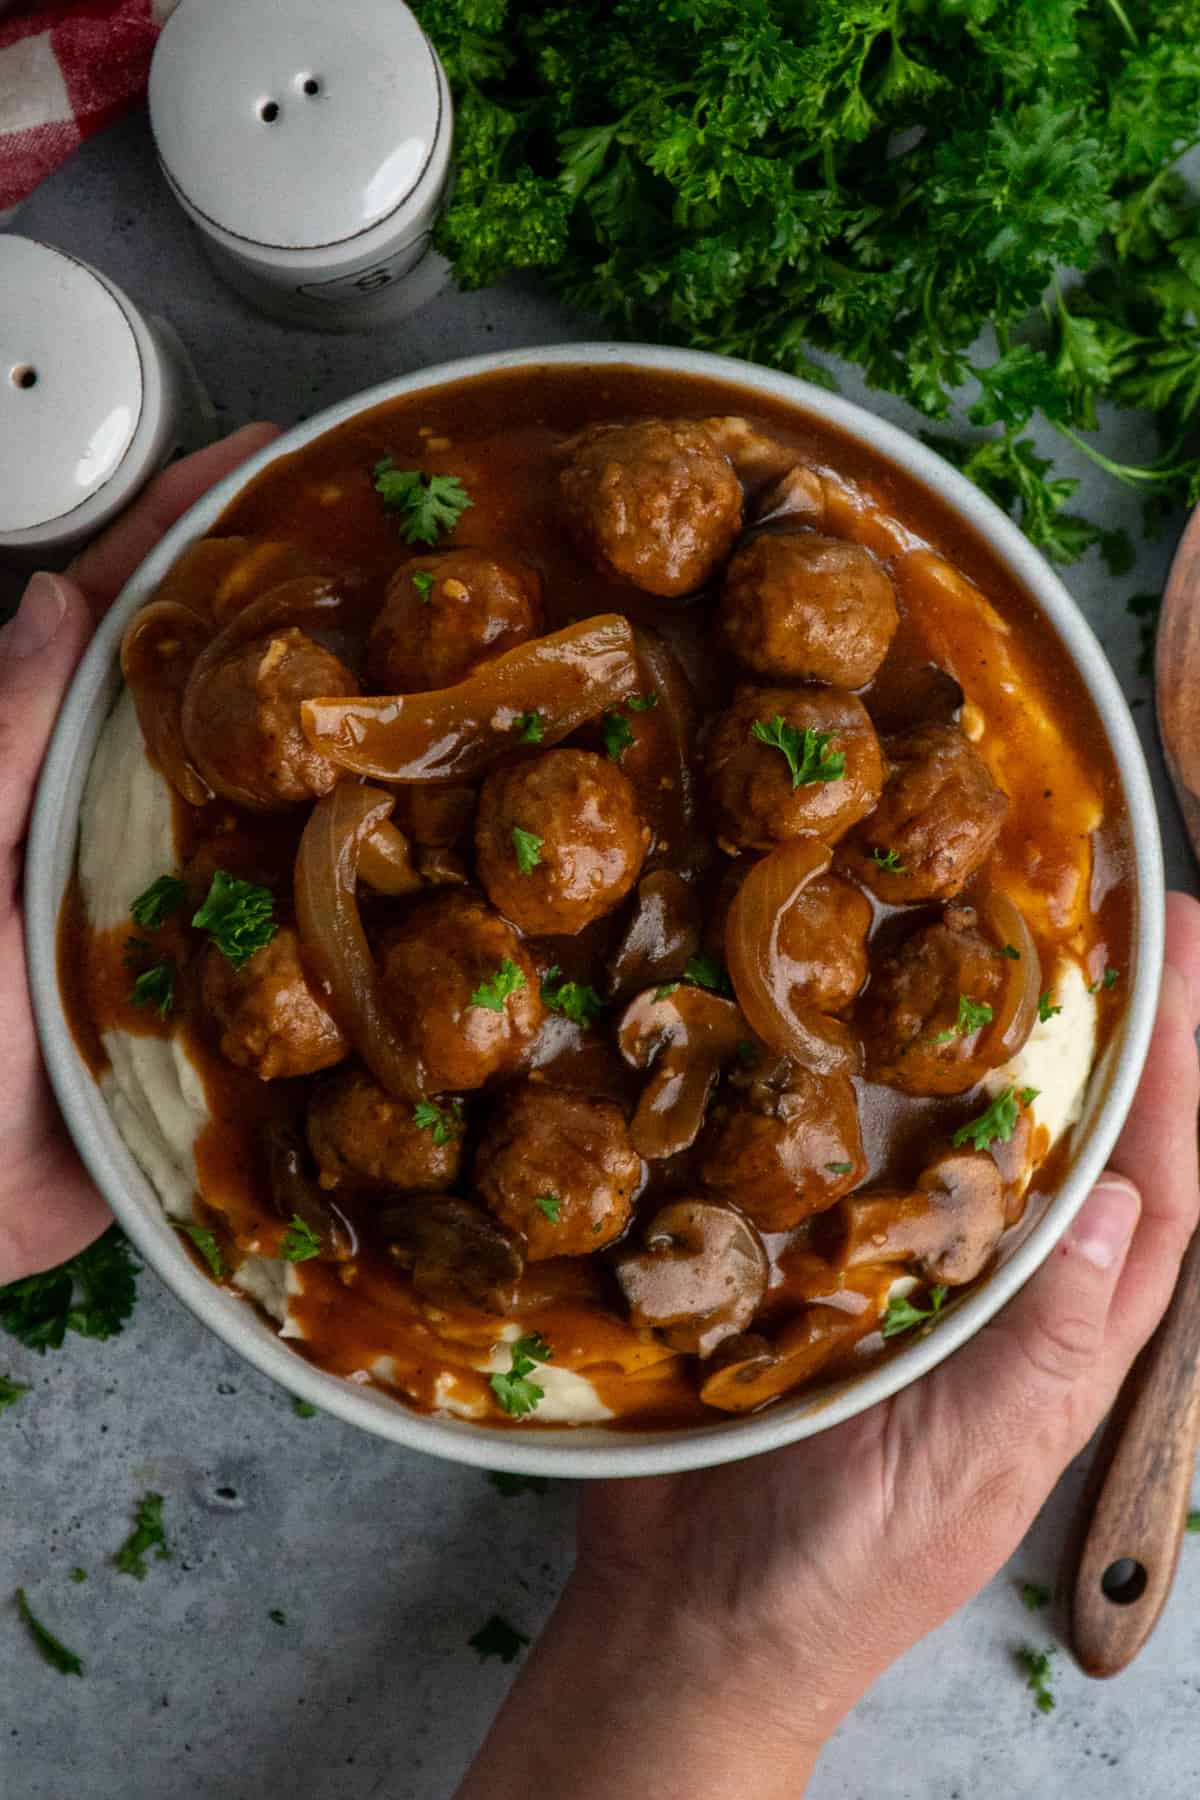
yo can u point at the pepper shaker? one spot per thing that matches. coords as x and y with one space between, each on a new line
309 144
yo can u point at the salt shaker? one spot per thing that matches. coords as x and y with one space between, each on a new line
309 144
94 398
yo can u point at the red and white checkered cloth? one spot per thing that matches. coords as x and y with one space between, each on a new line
66 70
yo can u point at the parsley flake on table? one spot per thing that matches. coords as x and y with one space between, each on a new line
809 753
443 1121
527 848
902 1315
428 505
303 1409
498 1638
1034 1596
277 1616
160 900
1035 1666
300 1242
422 580
515 1392
511 1485
51 1649
888 860
530 727
999 1120
238 916
492 993
616 733
147 1534
78 1575
208 1247
708 971
155 987
574 999
1046 1009
92 1294
11 1391
551 1205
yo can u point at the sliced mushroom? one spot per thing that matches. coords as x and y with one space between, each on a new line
797 498
662 933
754 455
748 1371
684 1038
902 696
701 1277
295 1194
949 1224
457 1252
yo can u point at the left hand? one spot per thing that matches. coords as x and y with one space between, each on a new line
49 1209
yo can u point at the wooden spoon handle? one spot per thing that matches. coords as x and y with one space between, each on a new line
1131 1545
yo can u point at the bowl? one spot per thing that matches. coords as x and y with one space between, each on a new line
583 1451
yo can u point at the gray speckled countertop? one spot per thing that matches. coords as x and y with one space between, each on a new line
384 1562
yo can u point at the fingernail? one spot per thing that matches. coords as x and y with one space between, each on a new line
1106 1222
36 619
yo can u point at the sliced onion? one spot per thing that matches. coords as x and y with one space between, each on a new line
161 646
668 800
456 733
385 861
335 944
761 974
1015 1010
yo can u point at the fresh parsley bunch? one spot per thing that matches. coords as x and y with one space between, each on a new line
879 180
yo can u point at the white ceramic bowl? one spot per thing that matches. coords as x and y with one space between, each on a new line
584 1451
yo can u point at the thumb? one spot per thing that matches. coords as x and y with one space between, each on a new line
39 648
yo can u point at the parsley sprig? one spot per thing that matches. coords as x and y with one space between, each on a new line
148 1534
527 848
158 902
443 1122
493 992
902 1315
50 1648
428 505
576 1001
516 1393
810 754
208 1247
300 1243
238 916
92 1294
155 987
973 1015
1035 1666
997 1122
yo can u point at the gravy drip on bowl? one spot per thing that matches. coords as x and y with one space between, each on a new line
675 1006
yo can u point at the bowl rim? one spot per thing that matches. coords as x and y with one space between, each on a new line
574 1451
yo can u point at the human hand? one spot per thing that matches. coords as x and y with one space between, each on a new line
719 1625
49 1209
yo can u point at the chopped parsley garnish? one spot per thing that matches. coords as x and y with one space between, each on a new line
162 898
277 1616
527 847
617 735
498 1638
666 990
1108 980
1011 951
1034 1596
303 1409
51 1648
998 1121
511 1485
530 727
155 987
708 971
78 1575
515 1392
300 1241
11 1392
1035 1666
238 916
147 1534
1045 1009
208 1247
902 1315
443 1121
1028 1095
428 504
576 1001
422 580
551 1205
839 1168
92 1294
972 1016
889 860
809 754
492 993
643 702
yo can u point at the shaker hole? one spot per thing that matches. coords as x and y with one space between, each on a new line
268 112
1124 1581
24 375
312 85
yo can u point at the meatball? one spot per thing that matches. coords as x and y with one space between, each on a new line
937 821
655 503
927 1014
799 606
461 990
364 1137
822 938
446 613
242 723
559 1168
270 1013
558 840
784 1153
761 798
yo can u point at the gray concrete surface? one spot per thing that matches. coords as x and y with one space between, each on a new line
384 1563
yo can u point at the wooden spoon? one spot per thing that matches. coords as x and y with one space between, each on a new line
1131 1545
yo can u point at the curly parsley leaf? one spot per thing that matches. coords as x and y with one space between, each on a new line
639 703
92 1294
551 1205
1034 1596
238 916
444 1122
527 848
493 992
303 1409
497 1637
888 860
208 1247
422 580
1046 1008
809 754
428 505
516 1393
158 902
902 1315
50 1648
997 1122
11 1391
155 987
707 971
148 1534
576 1001
300 1243
617 734
530 727
1035 1666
